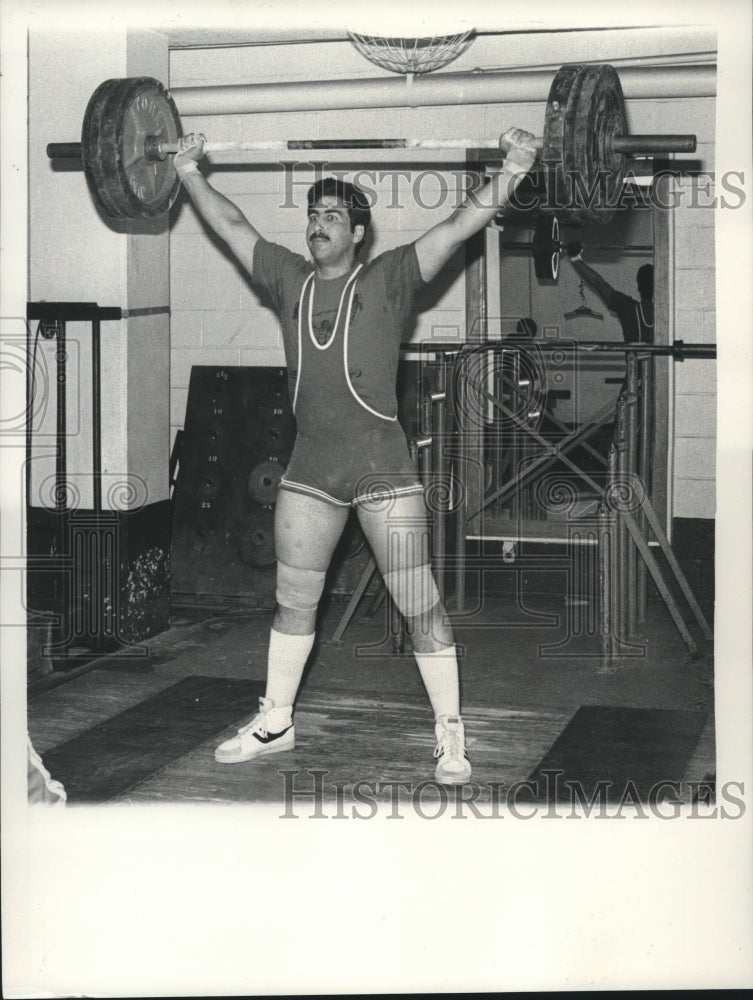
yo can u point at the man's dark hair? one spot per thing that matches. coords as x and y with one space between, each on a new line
645 281
352 197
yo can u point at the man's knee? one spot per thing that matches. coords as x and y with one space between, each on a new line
413 589
300 589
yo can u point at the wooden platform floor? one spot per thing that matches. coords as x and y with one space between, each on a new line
362 718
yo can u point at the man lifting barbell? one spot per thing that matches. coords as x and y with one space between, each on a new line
342 321
636 316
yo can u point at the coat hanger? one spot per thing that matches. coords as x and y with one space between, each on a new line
583 309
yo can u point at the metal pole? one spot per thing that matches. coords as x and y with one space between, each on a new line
678 349
439 497
516 500
605 529
61 485
61 489
661 586
622 535
644 471
619 144
614 549
461 507
96 418
429 90
631 403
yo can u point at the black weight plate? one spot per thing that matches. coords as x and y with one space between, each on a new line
99 152
91 151
585 109
257 538
546 248
264 482
555 132
598 116
121 116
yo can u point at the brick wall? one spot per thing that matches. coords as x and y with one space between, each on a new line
694 465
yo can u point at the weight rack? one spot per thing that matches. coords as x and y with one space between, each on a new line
83 560
621 524
626 518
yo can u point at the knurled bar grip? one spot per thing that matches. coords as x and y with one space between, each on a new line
620 144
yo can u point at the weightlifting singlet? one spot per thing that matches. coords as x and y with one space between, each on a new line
346 451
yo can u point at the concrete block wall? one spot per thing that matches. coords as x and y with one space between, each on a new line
217 317
695 399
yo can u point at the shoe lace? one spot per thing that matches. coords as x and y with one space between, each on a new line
449 744
258 724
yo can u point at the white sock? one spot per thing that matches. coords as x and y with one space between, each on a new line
439 672
286 659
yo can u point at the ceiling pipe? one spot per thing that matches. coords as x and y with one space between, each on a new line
428 91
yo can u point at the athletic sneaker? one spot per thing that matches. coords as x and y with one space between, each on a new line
270 731
453 766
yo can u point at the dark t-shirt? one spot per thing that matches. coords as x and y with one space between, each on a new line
382 304
632 318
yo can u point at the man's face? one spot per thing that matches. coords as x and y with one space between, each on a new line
328 232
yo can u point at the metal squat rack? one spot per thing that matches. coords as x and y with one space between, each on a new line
622 523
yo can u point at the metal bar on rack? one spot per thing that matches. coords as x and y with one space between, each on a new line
605 529
622 494
645 396
661 586
440 495
678 349
614 563
669 555
518 473
633 485
61 460
461 508
96 418
358 592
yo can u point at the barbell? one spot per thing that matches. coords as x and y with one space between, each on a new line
131 128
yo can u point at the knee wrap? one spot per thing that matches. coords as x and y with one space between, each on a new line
299 589
413 589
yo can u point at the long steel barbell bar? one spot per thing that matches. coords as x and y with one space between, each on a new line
636 248
156 149
678 349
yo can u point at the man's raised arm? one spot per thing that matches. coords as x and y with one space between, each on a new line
477 210
600 285
219 213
